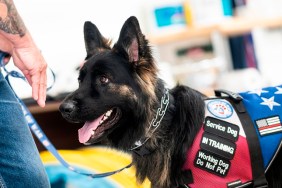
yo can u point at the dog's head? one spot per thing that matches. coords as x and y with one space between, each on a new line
110 83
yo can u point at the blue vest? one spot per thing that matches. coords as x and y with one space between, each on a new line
265 109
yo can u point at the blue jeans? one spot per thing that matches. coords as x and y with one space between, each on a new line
20 163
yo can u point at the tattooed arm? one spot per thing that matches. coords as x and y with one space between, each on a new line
17 41
11 22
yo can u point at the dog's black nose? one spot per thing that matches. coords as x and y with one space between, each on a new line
67 107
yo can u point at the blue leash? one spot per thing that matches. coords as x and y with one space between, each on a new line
34 126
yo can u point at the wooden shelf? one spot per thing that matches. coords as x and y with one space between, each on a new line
238 26
183 34
228 27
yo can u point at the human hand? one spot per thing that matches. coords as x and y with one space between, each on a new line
17 41
32 64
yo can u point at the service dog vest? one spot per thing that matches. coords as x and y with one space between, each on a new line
221 155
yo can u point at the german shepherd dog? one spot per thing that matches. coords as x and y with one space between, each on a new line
118 97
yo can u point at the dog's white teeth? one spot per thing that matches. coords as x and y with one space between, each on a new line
106 116
92 133
109 113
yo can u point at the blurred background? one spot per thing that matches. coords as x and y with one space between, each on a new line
205 44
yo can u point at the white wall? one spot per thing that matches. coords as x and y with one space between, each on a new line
57 28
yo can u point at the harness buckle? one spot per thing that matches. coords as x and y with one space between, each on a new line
234 96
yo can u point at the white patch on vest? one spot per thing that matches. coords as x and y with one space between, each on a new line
220 108
233 118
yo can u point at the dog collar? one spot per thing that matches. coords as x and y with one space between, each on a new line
139 147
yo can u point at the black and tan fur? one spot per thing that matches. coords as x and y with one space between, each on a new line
124 77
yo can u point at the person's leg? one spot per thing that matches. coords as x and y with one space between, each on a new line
20 163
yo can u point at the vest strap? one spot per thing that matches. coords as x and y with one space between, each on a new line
259 180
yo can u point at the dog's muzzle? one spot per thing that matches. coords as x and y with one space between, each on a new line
68 109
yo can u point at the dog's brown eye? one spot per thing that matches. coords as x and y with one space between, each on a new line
104 79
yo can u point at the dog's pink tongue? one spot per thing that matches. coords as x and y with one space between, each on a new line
85 132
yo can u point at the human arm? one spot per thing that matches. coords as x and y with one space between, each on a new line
17 41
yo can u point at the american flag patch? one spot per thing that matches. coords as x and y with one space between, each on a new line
269 125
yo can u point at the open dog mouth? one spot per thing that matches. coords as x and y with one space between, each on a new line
92 130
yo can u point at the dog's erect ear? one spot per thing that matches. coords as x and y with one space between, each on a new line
133 46
93 39
132 43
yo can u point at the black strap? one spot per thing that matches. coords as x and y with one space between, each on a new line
142 151
259 180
